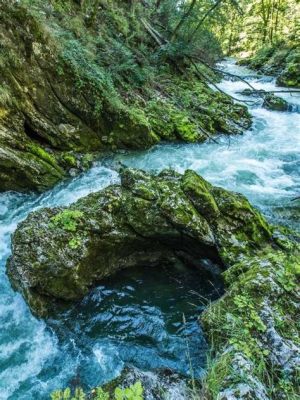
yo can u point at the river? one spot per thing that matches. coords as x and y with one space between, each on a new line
121 322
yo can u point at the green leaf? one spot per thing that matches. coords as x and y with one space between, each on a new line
67 394
119 394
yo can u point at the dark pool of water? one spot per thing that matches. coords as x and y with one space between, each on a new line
146 317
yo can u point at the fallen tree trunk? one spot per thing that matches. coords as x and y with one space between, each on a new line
255 91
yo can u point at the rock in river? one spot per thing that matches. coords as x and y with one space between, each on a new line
60 253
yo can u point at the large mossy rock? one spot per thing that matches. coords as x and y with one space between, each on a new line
275 103
62 252
60 93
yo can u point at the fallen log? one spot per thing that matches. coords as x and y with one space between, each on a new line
250 92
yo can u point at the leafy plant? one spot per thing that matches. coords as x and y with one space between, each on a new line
286 279
101 394
133 392
74 243
66 394
67 219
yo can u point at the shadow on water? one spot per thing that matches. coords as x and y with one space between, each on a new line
144 317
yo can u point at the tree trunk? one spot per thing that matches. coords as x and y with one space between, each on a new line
184 17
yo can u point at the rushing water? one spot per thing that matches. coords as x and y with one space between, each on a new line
137 317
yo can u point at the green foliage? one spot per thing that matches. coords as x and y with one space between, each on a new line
67 395
68 220
259 24
246 305
100 394
133 392
90 76
287 279
236 326
74 243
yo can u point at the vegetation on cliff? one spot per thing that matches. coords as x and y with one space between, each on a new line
83 77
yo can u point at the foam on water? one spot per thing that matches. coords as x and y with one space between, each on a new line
36 358
27 346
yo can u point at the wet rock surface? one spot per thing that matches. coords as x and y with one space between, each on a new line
156 384
62 252
275 103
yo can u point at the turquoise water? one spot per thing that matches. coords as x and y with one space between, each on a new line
136 317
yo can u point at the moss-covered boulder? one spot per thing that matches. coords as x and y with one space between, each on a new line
61 253
61 90
275 103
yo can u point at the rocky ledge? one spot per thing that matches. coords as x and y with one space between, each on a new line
60 253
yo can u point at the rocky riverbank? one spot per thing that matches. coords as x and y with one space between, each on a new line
62 99
281 60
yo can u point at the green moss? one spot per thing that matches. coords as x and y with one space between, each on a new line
185 129
44 155
198 191
275 103
87 160
132 130
190 112
3 113
67 220
69 159
159 115
75 242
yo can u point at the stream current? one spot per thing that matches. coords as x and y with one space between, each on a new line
136 317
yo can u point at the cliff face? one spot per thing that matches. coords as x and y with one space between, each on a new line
79 80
